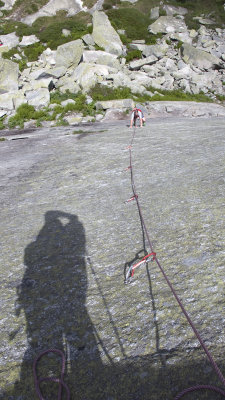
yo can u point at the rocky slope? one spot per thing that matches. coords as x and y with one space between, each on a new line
185 59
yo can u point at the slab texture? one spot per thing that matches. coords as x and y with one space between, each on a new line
66 235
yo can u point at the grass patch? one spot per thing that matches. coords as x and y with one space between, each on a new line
79 106
33 51
26 112
101 93
26 7
2 139
134 22
49 29
133 55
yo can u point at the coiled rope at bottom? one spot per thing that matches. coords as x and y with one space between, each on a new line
213 363
38 381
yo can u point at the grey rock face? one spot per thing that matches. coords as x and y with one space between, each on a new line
137 64
38 98
51 8
10 40
110 41
69 54
27 40
118 104
9 73
199 58
167 25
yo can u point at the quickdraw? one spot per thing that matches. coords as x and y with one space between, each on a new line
145 260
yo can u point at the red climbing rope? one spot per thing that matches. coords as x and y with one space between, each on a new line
60 381
213 363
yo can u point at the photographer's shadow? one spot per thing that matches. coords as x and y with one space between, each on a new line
52 296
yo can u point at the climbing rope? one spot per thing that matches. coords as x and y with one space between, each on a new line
130 274
38 381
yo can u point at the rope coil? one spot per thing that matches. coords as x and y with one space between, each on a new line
38 381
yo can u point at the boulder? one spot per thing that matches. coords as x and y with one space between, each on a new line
27 40
88 39
38 98
48 57
10 40
66 32
101 57
110 40
172 10
9 73
157 50
119 104
119 79
65 84
6 101
73 118
52 7
198 58
69 54
154 13
159 109
137 64
43 73
86 74
8 4
167 25
116 114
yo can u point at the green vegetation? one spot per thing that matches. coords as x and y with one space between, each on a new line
25 7
133 54
33 51
2 139
2 3
134 22
100 93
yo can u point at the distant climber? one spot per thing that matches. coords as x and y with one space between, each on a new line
137 114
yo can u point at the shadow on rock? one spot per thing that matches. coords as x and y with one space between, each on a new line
52 296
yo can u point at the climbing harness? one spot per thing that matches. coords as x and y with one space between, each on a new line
38 381
145 260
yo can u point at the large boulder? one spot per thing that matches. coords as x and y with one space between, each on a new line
119 104
105 35
27 40
101 57
66 83
87 75
189 109
199 58
167 25
9 72
38 98
52 7
11 40
157 50
69 54
172 10
137 64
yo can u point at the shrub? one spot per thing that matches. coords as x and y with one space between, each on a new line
33 51
133 54
133 21
100 92
2 3
26 112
